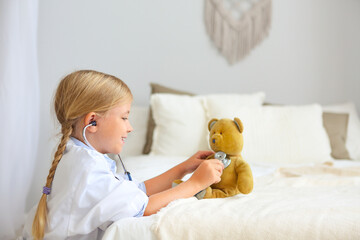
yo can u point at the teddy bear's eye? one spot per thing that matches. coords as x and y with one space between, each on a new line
220 133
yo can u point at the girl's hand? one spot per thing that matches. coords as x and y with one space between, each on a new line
195 160
207 173
159 188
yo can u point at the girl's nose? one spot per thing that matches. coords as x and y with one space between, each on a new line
130 128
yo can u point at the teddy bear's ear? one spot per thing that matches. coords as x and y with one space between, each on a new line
239 124
211 123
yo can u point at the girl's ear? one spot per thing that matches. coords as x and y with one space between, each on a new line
91 118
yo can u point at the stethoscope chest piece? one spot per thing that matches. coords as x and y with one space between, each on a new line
221 156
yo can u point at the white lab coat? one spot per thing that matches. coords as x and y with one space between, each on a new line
86 197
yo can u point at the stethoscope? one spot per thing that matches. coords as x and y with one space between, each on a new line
93 123
222 157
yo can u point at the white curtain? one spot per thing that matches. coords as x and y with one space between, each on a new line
19 109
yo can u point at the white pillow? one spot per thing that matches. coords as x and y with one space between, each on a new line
281 134
136 139
180 125
353 130
181 120
217 102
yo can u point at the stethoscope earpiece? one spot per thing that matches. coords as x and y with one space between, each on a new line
92 123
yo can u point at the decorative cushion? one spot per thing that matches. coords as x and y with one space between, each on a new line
353 129
181 120
215 103
281 134
180 125
157 88
336 125
336 128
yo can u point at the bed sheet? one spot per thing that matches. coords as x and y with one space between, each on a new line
308 201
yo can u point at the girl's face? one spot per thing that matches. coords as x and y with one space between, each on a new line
112 130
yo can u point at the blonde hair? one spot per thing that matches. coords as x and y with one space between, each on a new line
78 93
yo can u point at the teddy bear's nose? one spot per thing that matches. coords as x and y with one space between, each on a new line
216 138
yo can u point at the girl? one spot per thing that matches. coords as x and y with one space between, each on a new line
83 193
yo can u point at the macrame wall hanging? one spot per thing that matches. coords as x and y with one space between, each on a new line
237 26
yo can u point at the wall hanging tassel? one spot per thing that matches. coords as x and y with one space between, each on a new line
237 26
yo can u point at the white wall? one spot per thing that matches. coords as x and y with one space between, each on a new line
310 55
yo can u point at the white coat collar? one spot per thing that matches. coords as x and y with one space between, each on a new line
111 163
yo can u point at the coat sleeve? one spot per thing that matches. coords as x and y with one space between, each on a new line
101 199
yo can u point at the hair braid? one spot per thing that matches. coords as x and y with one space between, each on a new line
66 132
40 219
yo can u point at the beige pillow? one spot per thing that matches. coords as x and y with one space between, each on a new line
353 128
157 88
336 125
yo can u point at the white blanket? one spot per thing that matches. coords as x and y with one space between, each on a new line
307 202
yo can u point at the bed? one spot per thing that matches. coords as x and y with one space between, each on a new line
305 160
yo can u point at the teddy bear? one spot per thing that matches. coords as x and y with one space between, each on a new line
226 140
